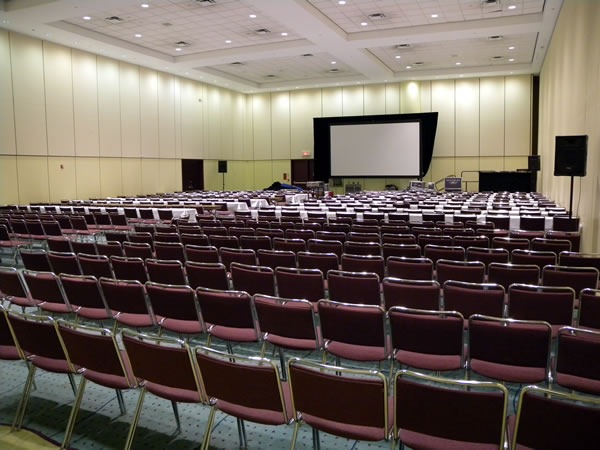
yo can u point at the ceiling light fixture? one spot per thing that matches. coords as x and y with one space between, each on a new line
145 5
252 16
458 63
284 34
363 24
409 67
138 35
341 2
87 18
228 41
512 7
435 16
512 47
512 59
397 56
177 49
333 62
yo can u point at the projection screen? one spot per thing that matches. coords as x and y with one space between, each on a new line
375 149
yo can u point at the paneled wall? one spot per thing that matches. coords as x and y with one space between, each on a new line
78 125
570 105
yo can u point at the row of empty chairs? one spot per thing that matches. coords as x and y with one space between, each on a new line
421 410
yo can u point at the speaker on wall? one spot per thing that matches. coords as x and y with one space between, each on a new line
570 156
533 163
222 166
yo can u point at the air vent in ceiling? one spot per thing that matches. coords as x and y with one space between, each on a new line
262 31
497 57
237 63
399 46
497 37
308 54
377 16
269 76
206 2
489 3
418 63
334 70
114 19
182 44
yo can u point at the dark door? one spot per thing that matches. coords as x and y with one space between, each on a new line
302 171
192 174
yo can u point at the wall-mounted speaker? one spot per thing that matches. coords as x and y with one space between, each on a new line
570 157
222 166
533 163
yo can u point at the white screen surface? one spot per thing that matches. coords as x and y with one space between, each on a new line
375 149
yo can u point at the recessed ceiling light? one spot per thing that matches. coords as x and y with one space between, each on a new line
363 24
458 63
138 35
511 59
435 16
177 49
341 2
252 16
87 18
284 34
512 47
145 5
397 56
409 67
512 7
333 62
228 41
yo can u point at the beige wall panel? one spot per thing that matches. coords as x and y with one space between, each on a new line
374 99
149 123
238 177
261 119
491 107
494 163
212 179
332 105
442 100
9 185
62 179
470 180
280 166
263 174
226 130
191 120
410 97
166 114
28 91
304 106
467 117
32 173
241 129
111 177
150 176
212 123
59 100
515 162
245 121
280 131
129 81
178 112
85 101
425 96
109 109
353 101
441 168
8 145
374 184
170 175
131 176
392 98
517 130
87 171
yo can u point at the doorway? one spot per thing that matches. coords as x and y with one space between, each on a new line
302 171
192 174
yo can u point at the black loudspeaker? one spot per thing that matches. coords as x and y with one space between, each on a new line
570 156
533 163
222 166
